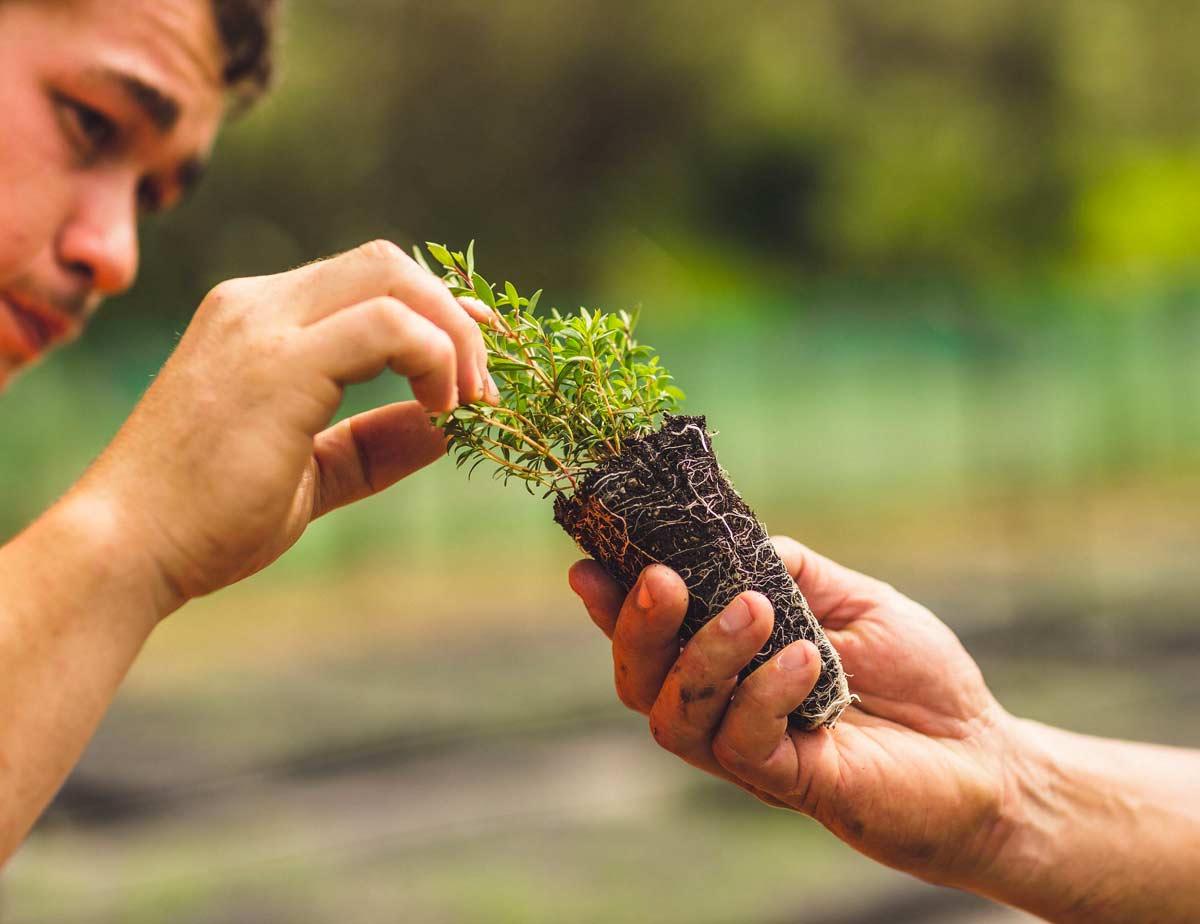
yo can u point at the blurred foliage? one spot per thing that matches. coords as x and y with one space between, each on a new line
629 150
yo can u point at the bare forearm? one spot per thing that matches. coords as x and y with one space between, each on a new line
78 598
1106 832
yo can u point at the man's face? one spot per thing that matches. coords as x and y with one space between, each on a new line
108 109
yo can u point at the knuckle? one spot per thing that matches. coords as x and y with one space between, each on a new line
384 250
752 697
390 315
727 756
426 289
698 660
409 276
224 295
441 348
272 348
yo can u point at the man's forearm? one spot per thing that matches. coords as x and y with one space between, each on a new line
1104 832
78 597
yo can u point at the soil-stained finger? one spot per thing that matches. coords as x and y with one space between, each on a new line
646 637
601 595
753 741
696 692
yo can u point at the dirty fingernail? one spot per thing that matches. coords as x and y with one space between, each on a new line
794 657
736 616
645 599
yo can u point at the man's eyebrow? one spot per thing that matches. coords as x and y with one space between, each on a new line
162 110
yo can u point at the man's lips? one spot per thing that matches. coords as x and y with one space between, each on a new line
29 329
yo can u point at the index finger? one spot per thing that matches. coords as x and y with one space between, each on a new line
646 637
827 585
601 595
381 268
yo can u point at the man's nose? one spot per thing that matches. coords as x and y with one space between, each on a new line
100 240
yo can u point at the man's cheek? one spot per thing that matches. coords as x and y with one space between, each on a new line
22 237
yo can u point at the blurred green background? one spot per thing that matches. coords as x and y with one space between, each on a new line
931 270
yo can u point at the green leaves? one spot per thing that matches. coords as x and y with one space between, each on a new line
573 388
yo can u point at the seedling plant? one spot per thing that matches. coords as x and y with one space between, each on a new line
589 416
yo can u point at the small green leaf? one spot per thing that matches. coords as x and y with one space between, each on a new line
483 291
441 254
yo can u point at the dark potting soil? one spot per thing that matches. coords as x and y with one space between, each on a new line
664 499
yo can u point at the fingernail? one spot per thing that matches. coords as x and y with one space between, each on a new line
482 376
794 657
645 599
492 390
736 616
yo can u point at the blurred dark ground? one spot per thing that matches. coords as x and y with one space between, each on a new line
930 270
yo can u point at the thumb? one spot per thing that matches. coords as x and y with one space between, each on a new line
828 586
364 454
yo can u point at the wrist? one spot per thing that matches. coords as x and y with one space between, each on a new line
1039 865
991 836
101 540
1015 838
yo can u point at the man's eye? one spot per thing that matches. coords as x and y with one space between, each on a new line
150 200
91 130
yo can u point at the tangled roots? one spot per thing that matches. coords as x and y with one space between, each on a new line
664 499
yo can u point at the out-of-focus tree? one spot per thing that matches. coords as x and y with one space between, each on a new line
599 145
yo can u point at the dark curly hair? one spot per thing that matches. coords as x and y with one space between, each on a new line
247 30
